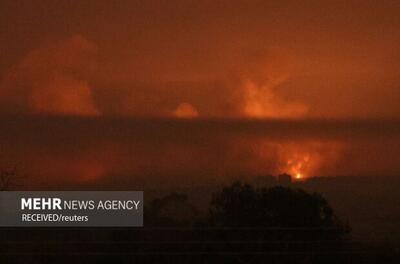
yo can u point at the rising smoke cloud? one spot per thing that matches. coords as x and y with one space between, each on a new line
51 80
259 78
60 79
57 80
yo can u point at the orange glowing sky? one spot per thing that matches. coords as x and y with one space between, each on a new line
224 58
198 60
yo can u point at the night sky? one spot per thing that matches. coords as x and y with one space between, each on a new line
90 89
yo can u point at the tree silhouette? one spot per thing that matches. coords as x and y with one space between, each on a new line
241 205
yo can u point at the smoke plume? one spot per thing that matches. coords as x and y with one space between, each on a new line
51 80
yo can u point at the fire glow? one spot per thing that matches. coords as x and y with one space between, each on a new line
301 160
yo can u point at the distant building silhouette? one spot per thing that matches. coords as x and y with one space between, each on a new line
284 179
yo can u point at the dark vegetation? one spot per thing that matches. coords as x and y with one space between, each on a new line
242 205
243 224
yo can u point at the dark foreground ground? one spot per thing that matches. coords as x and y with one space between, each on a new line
180 245
370 205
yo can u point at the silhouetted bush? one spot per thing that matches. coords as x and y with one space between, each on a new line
241 205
